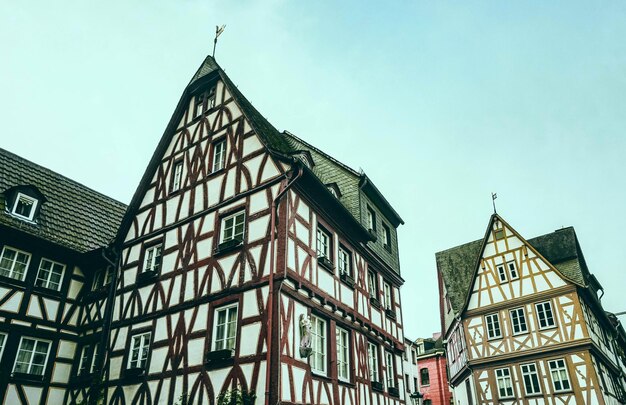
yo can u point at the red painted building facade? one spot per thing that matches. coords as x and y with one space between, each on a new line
433 378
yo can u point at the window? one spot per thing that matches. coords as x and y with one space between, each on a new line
386 237
225 329
406 383
219 155
152 258
24 206
103 277
518 321
391 375
501 273
371 219
3 339
140 346
428 402
50 274
372 357
13 263
468 390
493 326
414 355
424 376
343 354
499 234
177 175
544 314
560 379
318 343
198 105
512 270
211 98
414 384
372 284
323 243
94 358
32 356
233 227
345 261
531 379
84 360
505 384
388 296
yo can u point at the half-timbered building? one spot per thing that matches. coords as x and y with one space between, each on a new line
54 235
523 322
252 264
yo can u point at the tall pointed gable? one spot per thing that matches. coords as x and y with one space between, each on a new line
185 128
510 267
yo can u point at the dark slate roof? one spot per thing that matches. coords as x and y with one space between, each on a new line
458 264
74 216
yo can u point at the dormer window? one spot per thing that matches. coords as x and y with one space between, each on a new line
334 189
24 207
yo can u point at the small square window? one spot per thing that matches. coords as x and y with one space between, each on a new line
13 263
493 326
498 234
177 176
233 227
139 350
225 327
24 206
50 274
32 356
219 155
152 258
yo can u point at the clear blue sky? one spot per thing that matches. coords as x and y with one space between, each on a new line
439 103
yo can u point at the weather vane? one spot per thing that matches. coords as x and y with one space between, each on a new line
218 32
493 200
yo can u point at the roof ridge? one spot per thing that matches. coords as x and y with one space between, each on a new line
45 169
318 150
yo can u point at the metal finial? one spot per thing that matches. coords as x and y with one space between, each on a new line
493 200
218 32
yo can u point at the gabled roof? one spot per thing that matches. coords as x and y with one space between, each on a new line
459 264
74 216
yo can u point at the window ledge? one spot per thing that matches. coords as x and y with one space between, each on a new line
227 246
215 173
374 302
378 386
391 314
394 391
387 248
134 373
12 281
218 358
146 277
47 291
25 377
373 234
326 263
347 279
96 294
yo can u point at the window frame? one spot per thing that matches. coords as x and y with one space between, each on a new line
315 335
372 362
142 347
537 312
372 275
371 219
219 149
386 236
501 272
511 270
34 203
388 296
493 316
528 374
504 379
227 327
422 383
102 278
12 270
3 342
559 370
146 255
341 348
30 361
223 227
198 102
94 356
347 262
518 317
176 182
83 360
46 283
390 369
320 233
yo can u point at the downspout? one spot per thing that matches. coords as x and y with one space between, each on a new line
270 298
106 327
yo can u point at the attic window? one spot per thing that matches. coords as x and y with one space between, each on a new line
211 98
334 190
24 207
499 234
